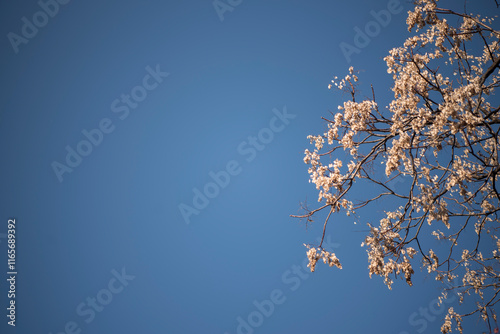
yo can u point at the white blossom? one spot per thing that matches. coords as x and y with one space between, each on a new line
440 132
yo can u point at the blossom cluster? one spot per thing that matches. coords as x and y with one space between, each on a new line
315 254
440 131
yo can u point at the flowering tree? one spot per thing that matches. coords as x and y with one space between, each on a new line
440 135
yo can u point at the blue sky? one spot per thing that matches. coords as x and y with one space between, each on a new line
170 91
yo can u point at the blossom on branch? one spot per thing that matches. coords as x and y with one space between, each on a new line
440 131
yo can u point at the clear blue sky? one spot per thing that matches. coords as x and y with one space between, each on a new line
102 244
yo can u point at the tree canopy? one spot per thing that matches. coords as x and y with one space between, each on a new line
439 133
